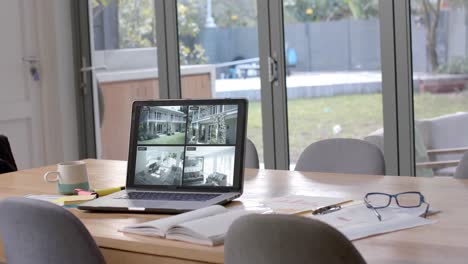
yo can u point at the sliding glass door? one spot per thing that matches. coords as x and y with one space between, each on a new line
219 55
333 72
124 66
311 70
440 75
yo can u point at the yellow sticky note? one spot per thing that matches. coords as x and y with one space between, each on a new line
74 199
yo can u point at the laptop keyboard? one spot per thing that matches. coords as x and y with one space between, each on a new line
198 197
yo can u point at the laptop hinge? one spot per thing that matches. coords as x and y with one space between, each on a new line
175 190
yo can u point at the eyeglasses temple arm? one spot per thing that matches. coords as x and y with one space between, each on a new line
373 209
427 209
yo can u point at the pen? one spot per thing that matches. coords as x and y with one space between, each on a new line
321 208
330 208
326 209
107 191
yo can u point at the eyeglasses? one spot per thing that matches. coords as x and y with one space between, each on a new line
377 200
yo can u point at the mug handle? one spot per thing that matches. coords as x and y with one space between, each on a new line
56 179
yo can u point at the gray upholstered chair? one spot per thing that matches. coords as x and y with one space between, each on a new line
7 161
462 168
40 232
439 141
251 155
342 155
276 239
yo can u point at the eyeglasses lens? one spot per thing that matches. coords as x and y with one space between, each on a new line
409 199
378 200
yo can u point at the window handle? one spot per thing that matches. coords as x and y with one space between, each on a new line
272 70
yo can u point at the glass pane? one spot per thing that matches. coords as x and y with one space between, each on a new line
409 199
125 57
218 45
440 74
334 80
378 200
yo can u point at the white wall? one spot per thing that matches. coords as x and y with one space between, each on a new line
58 85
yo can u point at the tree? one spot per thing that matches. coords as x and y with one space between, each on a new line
99 6
137 23
297 11
430 16
363 9
189 21
429 12
240 13
329 10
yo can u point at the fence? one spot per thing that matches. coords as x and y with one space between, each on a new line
345 45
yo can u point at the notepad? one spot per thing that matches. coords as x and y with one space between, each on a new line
206 226
73 199
358 221
295 204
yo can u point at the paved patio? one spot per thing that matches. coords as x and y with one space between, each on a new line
320 84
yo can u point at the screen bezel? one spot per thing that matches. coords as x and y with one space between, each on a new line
238 179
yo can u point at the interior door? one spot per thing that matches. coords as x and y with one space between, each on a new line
20 118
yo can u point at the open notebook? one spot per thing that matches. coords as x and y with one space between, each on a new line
206 226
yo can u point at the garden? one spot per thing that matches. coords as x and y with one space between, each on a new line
353 116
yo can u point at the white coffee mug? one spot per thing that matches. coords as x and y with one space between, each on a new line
69 176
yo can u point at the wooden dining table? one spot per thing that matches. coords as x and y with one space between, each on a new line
446 241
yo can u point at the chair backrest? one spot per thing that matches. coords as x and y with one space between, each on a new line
462 169
342 155
7 161
448 131
251 155
40 232
275 239
421 138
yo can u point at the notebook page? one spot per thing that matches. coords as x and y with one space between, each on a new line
358 221
292 204
206 231
159 227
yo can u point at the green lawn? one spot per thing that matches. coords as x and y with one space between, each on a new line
177 138
357 116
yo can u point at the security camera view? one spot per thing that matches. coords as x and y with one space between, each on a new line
191 145
159 165
212 124
162 125
209 166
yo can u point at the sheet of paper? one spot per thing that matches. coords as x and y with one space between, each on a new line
44 197
358 221
293 204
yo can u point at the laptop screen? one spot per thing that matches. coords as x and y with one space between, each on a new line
187 145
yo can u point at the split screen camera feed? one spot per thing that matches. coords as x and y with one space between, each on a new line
186 145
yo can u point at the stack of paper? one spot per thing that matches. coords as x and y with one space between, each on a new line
358 221
63 200
294 204
74 199
354 219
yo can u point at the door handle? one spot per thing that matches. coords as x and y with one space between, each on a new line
93 68
272 70
84 74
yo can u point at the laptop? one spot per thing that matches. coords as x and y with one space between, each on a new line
184 155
